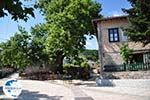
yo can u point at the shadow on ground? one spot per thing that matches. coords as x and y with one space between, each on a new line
84 98
109 75
1 90
28 95
87 84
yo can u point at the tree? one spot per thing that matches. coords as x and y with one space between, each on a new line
68 21
16 9
126 53
90 54
139 18
24 49
14 51
39 35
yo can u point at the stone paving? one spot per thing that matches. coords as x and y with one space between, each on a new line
117 93
38 90
79 94
78 90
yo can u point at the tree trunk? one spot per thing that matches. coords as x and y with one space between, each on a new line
59 62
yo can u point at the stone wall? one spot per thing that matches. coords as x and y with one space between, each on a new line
130 83
127 75
111 50
112 59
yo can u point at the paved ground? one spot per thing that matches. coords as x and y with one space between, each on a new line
117 93
38 90
78 90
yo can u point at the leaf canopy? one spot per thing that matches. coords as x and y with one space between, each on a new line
68 22
139 17
16 9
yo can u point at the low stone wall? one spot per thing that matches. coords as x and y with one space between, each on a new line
127 75
133 83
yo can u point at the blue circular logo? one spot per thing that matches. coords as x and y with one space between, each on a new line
12 88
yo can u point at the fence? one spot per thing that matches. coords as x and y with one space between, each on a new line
128 67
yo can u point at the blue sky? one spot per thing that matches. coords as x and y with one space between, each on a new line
110 8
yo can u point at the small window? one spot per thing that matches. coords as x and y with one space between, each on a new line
124 35
113 35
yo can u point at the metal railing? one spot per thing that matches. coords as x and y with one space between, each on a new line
128 67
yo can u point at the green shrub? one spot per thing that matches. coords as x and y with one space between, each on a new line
67 65
85 64
126 53
81 71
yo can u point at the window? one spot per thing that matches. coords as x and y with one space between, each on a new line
113 35
124 35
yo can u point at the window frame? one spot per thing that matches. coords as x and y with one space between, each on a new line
113 34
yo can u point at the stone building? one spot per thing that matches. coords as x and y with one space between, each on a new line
111 37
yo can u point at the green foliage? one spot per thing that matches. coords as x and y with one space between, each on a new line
16 9
126 53
90 54
85 64
78 62
68 21
24 49
62 35
39 35
14 50
139 17
66 66
1 65
80 71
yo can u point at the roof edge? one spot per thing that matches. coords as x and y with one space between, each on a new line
109 18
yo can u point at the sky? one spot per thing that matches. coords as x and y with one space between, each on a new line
109 8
